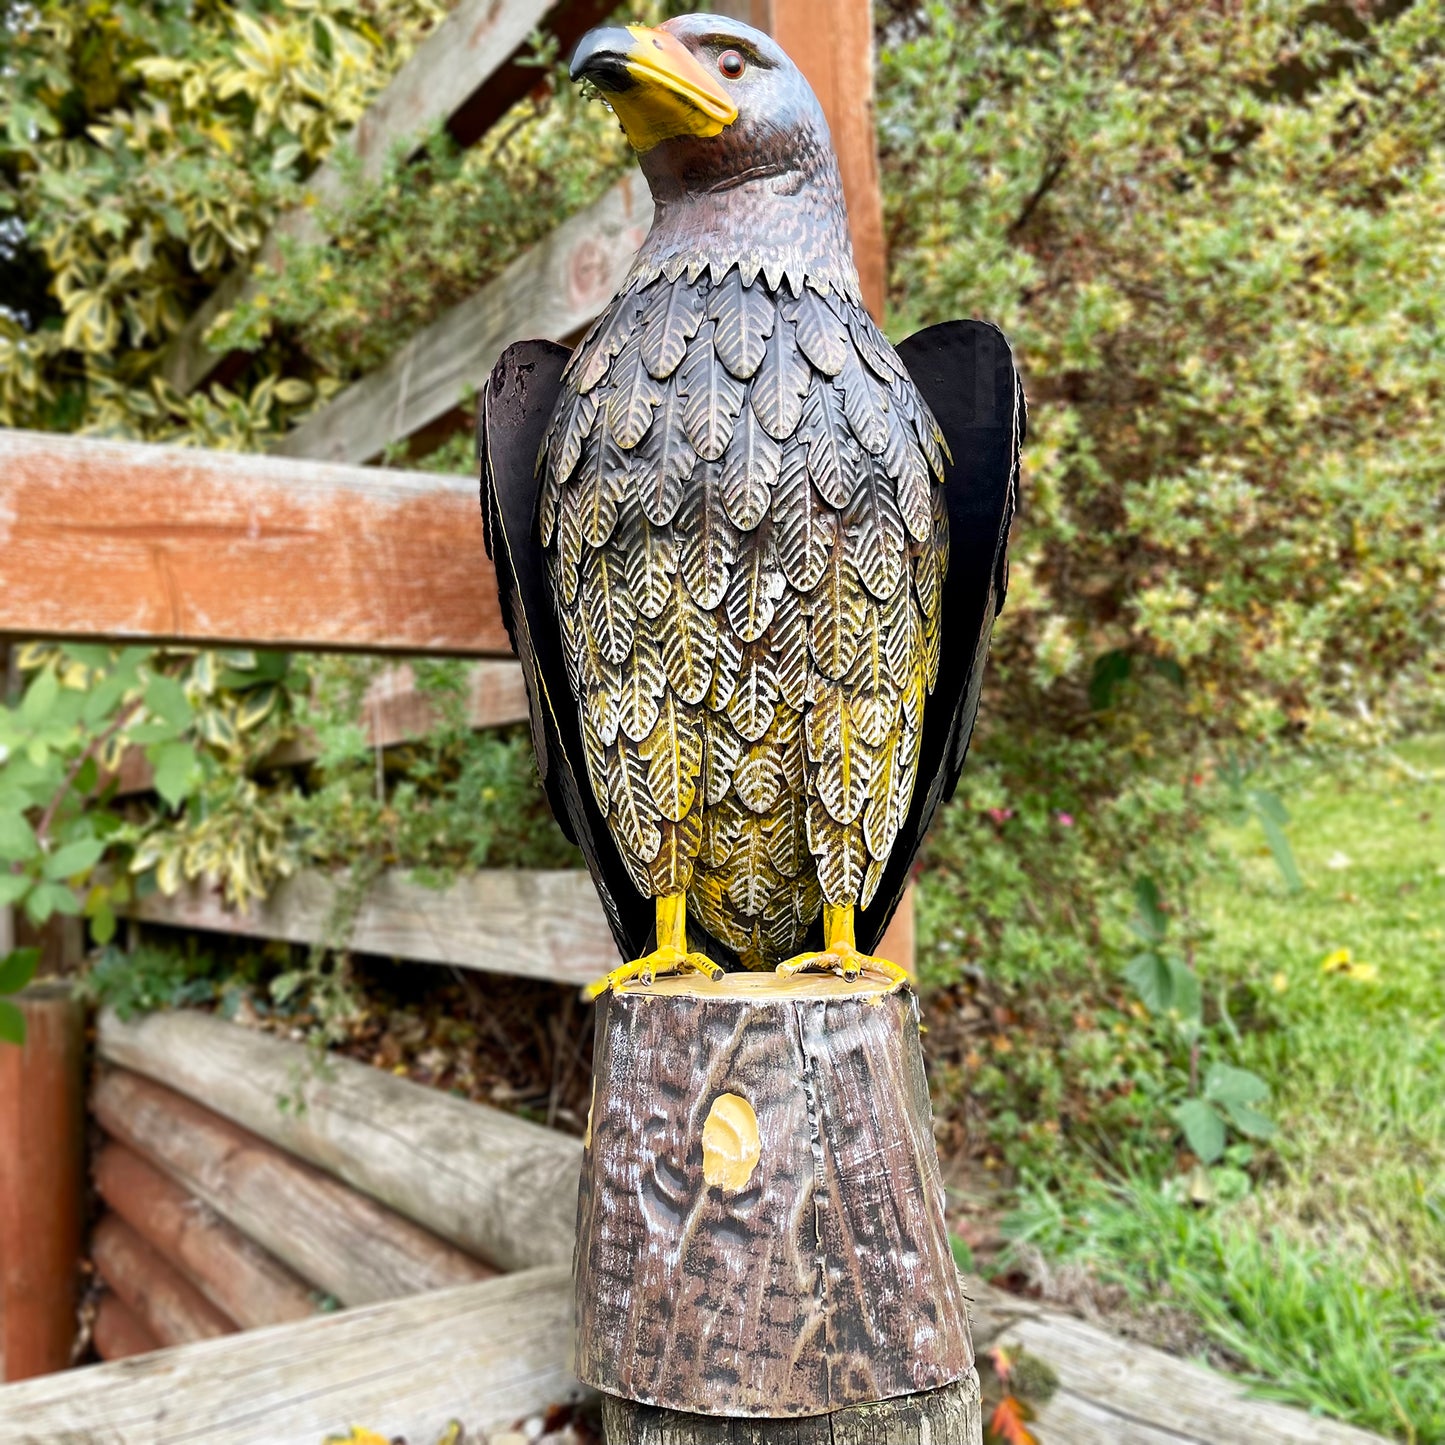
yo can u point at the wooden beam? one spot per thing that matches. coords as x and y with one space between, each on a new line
117 1334
153 1289
486 1354
463 75
42 1132
123 540
551 291
393 711
493 1184
342 1242
244 1282
1112 1389
544 923
832 43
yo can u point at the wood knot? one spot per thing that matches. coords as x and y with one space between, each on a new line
731 1146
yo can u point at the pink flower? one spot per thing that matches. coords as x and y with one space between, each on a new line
1000 815
1066 820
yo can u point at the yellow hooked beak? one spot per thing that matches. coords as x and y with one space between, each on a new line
654 83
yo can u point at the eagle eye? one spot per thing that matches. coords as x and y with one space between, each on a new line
731 63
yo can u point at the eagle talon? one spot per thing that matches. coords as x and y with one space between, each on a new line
667 959
844 960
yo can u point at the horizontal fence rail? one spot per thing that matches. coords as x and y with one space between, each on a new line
543 923
166 544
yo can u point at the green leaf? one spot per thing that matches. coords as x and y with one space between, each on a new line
962 1253
1150 920
102 924
1203 1128
12 1024
18 968
47 898
17 838
1186 997
13 887
101 700
1153 980
1279 846
73 858
1251 1121
40 697
166 698
1225 1084
1110 671
175 766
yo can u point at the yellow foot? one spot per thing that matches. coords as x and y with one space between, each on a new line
844 960
667 959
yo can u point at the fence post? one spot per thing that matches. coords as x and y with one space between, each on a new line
41 1183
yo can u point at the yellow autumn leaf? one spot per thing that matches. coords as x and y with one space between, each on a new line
358 1436
1336 962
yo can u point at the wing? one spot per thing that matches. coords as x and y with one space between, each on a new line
511 422
965 373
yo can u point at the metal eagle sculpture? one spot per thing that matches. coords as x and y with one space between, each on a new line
748 553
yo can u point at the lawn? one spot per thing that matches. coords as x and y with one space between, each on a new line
1316 1263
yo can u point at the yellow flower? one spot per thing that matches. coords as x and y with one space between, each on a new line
1279 982
1341 962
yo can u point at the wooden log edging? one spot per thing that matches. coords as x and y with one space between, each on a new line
496 1186
42 1124
485 1354
170 1307
116 1333
341 1241
1111 1389
530 923
240 1279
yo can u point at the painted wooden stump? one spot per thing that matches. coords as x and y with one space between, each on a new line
760 1223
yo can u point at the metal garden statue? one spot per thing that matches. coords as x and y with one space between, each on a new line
750 556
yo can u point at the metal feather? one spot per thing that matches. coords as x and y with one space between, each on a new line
822 337
708 540
712 396
743 317
781 383
750 468
671 321
633 393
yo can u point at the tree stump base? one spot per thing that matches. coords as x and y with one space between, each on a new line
760 1224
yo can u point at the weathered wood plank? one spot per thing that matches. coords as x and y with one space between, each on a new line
493 1184
550 291
239 1278
483 1354
341 1241
42 1182
1115 1392
393 711
464 74
116 539
544 923
117 1334
151 1287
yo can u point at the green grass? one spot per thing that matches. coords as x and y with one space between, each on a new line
1323 1276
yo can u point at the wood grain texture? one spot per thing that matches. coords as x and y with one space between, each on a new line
951 1415
156 1293
336 1238
827 1281
485 1354
393 711
239 1278
116 1333
1113 1391
124 540
42 1182
543 924
496 1186
464 75
831 42
551 291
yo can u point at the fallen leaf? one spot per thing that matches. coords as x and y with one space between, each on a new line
1006 1425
